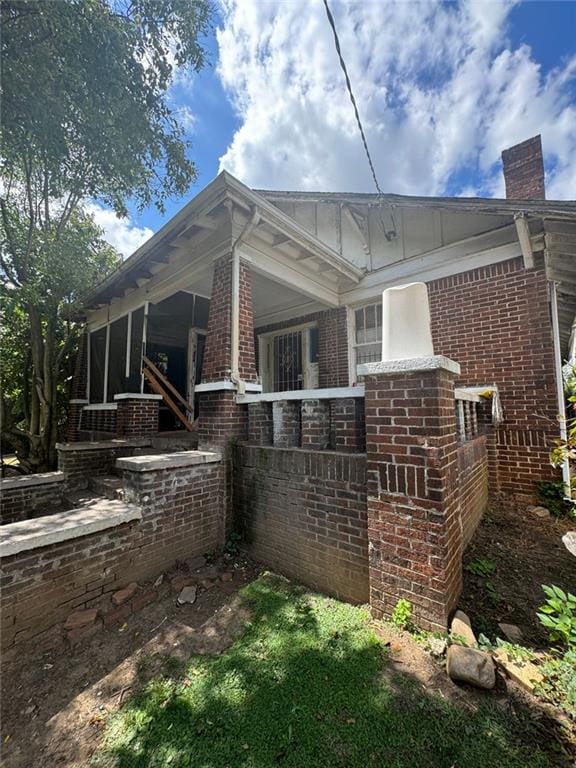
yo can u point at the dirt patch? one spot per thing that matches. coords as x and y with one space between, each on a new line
527 552
55 704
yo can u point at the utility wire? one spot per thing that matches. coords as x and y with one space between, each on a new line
388 234
351 94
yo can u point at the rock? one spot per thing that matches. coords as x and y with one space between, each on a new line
159 580
540 511
569 541
116 615
196 562
188 595
125 594
437 645
461 627
467 665
524 673
80 619
227 576
179 582
511 632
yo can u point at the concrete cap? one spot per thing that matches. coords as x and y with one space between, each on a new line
168 461
408 365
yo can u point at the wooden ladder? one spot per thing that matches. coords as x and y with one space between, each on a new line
161 386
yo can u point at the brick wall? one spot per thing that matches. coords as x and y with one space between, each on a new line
80 461
220 419
495 322
182 518
137 417
332 343
473 484
101 420
303 513
29 496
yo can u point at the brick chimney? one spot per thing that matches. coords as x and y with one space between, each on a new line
524 170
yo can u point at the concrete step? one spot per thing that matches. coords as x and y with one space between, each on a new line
109 486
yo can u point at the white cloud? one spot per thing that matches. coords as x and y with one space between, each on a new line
121 233
439 87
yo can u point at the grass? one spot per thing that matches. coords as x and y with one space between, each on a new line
305 687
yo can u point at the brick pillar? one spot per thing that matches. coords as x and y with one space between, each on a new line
75 408
286 422
414 530
315 416
220 418
137 415
348 424
260 424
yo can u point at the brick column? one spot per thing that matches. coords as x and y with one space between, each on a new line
75 408
315 424
414 528
348 424
137 415
286 423
220 418
260 423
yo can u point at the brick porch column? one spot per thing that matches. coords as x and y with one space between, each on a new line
220 417
137 414
414 531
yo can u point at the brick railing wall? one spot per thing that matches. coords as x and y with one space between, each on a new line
28 496
81 461
303 513
98 420
473 484
181 518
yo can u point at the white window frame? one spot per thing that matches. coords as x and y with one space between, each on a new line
353 345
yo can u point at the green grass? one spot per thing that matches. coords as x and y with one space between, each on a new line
305 687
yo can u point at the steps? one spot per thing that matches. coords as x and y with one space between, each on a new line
108 486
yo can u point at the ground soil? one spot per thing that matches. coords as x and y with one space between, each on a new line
528 552
54 704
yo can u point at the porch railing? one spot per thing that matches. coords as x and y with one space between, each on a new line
160 385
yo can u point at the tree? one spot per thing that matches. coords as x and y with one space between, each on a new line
85 115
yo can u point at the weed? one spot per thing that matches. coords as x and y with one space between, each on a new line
551 494
559 684
402 614
481 567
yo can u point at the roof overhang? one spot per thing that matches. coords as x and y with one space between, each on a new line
560 256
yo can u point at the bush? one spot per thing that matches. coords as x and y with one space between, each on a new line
402 614
558 614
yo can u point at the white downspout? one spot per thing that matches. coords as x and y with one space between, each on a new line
235 314
559 384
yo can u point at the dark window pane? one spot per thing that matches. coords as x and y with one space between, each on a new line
132 383
313 345
97 355
117 358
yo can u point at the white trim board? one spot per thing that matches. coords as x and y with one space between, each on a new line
327 393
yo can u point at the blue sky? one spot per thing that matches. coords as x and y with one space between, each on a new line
442 89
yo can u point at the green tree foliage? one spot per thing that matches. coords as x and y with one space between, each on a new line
85 115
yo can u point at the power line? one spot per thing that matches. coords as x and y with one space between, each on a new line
351 94
389 234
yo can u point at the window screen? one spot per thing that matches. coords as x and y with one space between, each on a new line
133 382
117 358
97 355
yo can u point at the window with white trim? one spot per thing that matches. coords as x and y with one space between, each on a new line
367 340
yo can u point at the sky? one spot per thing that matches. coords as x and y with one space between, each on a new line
442 88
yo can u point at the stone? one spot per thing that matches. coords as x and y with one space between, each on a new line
467 665
525 674
179 582
196 562
227 576
569 541
511 632
437 645
80 619
125 594
540 511
116 615
159 580
188 595
462 627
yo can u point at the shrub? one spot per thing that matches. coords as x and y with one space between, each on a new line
559 684
558 614
551 495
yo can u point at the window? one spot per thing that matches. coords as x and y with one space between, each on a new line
368 333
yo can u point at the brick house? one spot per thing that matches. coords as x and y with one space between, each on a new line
250 327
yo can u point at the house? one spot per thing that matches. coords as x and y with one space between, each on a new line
252 291
248 332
